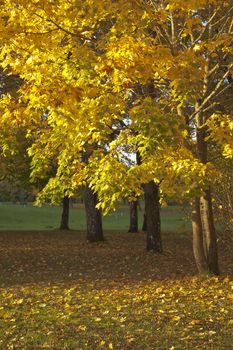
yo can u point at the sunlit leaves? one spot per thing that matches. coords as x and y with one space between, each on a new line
89 66
191 311
221 127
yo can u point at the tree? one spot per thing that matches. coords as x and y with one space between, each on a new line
133 225
93 214
14 163
50 127
223 197
90 66
195 40
65 213
152 213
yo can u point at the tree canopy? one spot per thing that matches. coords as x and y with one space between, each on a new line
82 63
105 78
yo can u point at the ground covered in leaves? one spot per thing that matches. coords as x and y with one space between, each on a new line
60 292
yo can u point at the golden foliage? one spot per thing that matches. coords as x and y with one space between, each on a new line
89 66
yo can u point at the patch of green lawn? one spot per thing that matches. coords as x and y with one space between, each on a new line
28 217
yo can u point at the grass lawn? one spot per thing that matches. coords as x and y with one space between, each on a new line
27 217
60 292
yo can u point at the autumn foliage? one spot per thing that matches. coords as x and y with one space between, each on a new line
100 81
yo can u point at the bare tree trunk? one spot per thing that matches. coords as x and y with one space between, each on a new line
65 214
152 211
198 242
133 227
93 216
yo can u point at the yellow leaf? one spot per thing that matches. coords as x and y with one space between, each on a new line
176 318
226 279
161 311
130 340
193 322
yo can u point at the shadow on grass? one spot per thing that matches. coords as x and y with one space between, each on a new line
56 256
67 256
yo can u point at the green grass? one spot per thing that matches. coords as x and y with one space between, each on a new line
28 217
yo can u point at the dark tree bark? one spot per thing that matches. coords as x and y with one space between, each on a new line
133 227
144 228
93 216
152 211
65 214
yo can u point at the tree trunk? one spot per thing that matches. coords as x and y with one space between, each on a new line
198 239
209 232
152 212
205 207
65 214
133 227
93 216
144 228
